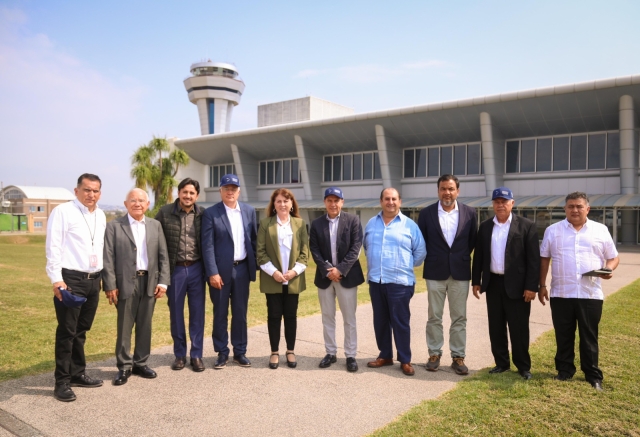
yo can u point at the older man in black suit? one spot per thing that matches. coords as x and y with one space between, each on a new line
335 240
506 265
449 229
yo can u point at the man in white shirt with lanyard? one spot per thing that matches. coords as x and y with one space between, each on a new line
75 239
576 245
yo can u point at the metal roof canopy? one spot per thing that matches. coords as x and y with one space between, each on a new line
581 107
600 201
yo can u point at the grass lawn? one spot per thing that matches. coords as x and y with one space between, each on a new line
28 323
505 405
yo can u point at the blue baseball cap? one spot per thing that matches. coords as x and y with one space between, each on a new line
502 192
333 191
69 300
229 179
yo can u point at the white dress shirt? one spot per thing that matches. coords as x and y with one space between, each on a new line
285 240
499 244
449 222
75 237
139 230
333 236
573 253
237 230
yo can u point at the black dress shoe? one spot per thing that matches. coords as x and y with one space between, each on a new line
144 371
122 377
197 365
499 369
179 363
327 361
275 365
597 384
526 375
241 360
221 361
563 377
293 363
85 381
352 365
63 393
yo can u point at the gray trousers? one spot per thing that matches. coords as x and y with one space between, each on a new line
348 300
457 292
136 310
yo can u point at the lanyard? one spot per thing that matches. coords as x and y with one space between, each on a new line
95 223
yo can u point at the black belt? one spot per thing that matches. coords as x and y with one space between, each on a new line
497 274
235 263
82 275
142 272
186 263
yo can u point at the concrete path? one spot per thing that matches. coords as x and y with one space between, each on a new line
306 401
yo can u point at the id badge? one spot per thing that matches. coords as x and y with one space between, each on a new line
93 260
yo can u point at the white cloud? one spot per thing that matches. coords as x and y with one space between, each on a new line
371 73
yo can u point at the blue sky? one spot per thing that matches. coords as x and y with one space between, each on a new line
83 84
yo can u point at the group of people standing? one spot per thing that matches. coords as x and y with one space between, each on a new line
140 259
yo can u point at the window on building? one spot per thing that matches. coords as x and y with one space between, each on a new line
593 151
352 167
37 224
40 209
217 171
32 209
279 172
459 159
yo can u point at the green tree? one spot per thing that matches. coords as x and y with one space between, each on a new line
155 167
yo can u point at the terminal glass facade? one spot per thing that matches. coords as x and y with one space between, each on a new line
217 171
457 159
588 151
352 167
279 171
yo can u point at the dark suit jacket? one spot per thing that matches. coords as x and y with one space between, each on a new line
119 270
443 261
217 241
348 241
521 259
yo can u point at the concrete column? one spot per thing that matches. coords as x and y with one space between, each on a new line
390 155
229 113
220 116
492 153
247 169
628 165
203 113
310 161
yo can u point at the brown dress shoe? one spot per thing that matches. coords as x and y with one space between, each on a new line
407 369
379 362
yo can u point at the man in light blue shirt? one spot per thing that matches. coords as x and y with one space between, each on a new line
393 245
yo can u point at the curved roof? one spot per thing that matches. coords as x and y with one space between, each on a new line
52 193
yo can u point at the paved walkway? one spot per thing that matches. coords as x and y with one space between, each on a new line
306 401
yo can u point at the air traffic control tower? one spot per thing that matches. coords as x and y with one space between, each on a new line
215 88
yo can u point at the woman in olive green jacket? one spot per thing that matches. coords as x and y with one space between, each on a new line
283 251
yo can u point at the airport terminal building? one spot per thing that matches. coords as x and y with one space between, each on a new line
542 143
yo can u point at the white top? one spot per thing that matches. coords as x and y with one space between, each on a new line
333 235
449 222
139 230
74 237
499 244
285 240
573 253
237 230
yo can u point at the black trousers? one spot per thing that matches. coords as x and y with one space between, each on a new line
514 313
73 324
565 313
279 306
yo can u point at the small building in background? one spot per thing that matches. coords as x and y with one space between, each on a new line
28 208
303 109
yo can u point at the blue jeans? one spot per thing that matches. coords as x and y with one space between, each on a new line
391 315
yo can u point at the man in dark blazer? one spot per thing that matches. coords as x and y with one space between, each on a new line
182 222
135 274
229 235
506 265
449 229
335 240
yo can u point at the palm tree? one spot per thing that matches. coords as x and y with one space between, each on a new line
155 167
